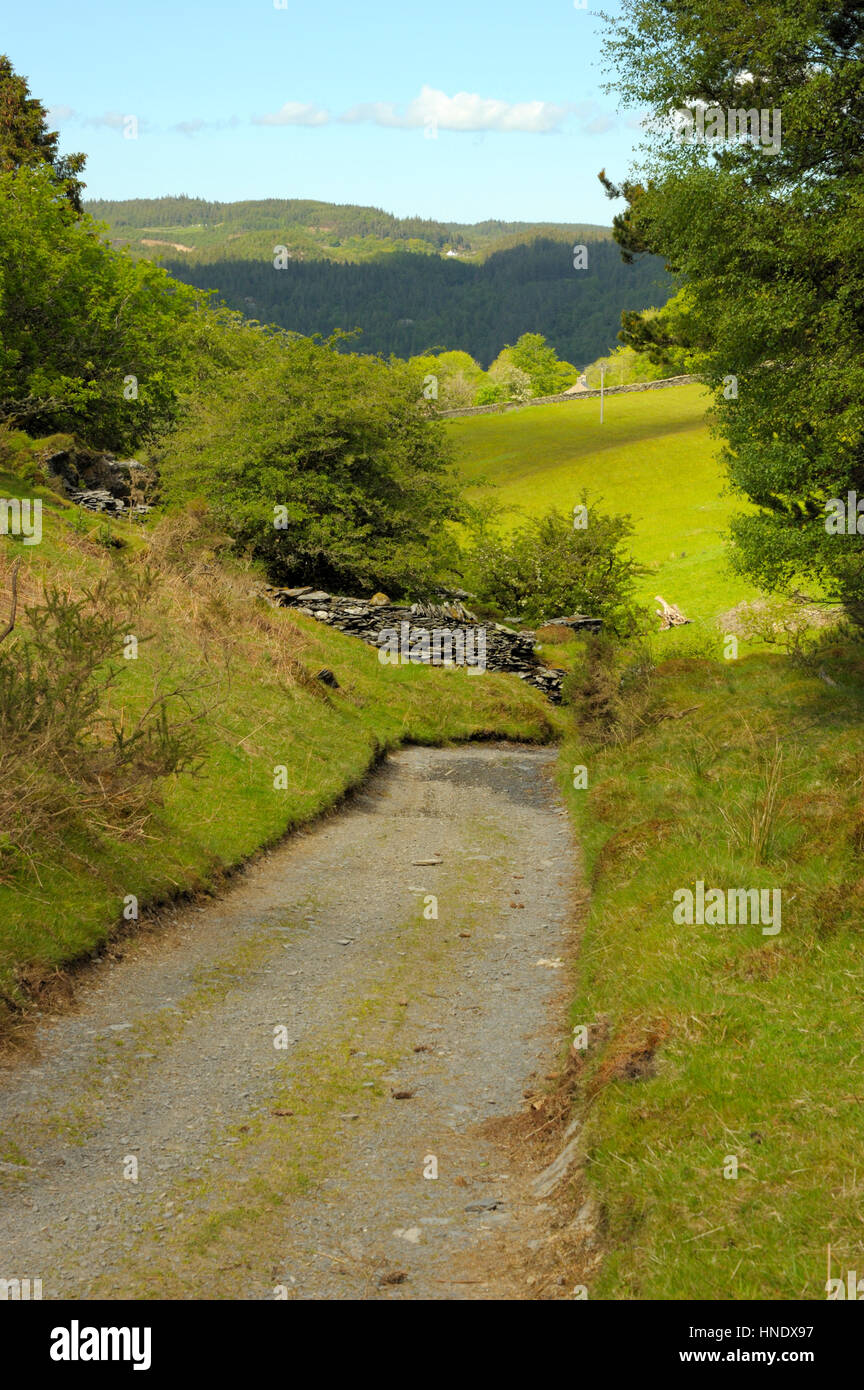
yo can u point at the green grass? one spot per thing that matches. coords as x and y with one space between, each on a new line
250 665
652 458
756 1039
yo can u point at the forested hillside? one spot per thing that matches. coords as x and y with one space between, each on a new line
407 304
408 284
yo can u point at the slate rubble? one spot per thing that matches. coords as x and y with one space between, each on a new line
506 649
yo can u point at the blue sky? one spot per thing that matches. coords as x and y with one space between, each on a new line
460 111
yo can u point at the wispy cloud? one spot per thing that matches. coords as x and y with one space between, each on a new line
592 119
189 127
111 120
294 113
196 125
466 112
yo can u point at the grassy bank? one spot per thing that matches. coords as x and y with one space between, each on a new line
246 677
710 1043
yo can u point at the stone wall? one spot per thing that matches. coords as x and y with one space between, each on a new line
502 406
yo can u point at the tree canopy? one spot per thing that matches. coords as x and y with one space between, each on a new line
325 464
26 141
768 236
90 340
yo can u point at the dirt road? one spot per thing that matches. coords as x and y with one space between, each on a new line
291 1091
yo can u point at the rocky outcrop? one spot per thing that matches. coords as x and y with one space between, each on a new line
101 482
372 621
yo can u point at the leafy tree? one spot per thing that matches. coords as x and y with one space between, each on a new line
504 382
324 464
668 337
447 379
547 374
530 368
90 341
26 141
768 235
624 366
547 567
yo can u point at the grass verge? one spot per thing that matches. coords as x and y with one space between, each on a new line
721 1049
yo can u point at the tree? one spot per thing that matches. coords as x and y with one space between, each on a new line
530 368
91 341
447 379
540 362
504 382
623 367
767 232
324 464
26 141
668 337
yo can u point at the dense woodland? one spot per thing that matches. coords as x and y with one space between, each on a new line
359 268
409 304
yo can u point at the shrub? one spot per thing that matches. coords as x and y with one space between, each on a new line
63 761
547 567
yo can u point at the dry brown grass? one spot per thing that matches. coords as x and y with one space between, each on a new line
555 633
219 606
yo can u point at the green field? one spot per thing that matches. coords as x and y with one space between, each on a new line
652 457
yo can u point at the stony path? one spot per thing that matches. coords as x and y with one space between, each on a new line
287 1092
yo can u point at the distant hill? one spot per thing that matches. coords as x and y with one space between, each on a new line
408 285
309 229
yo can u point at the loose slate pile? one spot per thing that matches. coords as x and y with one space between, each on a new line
506 650
100 500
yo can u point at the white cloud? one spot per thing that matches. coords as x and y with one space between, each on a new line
465 111
294 113
60 113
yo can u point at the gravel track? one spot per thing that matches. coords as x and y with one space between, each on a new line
305 1170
